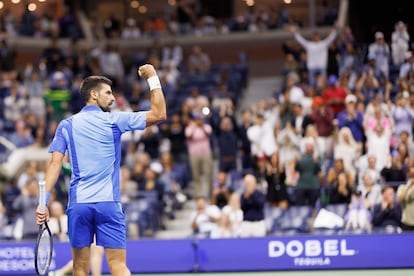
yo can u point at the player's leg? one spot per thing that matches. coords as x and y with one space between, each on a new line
80 231
111 234
116 258
96 259
81 261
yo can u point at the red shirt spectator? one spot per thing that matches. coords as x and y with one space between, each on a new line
334 95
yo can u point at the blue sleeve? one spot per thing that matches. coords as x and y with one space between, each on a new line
342 119
59 143
127 121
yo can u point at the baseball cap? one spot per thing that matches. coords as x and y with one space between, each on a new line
156 167
350 98
317 101
379 35
332 80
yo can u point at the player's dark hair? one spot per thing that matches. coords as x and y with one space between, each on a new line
91 83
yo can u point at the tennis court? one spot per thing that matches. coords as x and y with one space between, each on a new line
372 272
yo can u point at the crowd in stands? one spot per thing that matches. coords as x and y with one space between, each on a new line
343 138
185 17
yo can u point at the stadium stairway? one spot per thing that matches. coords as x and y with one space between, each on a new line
258 88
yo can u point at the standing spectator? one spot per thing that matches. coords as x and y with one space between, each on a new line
252 203
198 61
111 63
196 101
52 55
176 135
26 203
57 97
221 192
7 61
382 53
198 135
27 25
15 104
316 53
261 136
245 145
407 66
228 145
400 40
172 54
308 166
405 196
347 149
388 212
402 114
352 118
275 176
334 95
379 141
322 117
337 169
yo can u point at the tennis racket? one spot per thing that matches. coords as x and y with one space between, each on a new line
44 242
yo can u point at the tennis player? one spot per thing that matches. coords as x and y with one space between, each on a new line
92 140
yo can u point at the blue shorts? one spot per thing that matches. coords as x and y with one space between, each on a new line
106 220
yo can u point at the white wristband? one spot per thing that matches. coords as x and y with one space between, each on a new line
154 83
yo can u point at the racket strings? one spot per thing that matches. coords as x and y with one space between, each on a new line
44 252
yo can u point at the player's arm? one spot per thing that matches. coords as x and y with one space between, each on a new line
52 174
158 111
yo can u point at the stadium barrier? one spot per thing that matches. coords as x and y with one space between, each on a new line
250 254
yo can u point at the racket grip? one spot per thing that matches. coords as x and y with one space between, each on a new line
42 195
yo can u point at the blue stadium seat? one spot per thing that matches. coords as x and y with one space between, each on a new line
339 209
295 220
273 216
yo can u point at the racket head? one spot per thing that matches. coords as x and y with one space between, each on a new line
43 250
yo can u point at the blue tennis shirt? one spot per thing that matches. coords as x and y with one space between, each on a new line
92 138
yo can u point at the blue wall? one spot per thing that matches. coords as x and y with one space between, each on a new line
213 255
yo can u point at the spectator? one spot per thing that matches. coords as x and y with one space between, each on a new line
337 169
27 25
196 101
382 53
204 219
198 134
347 149
21 136
312 132
26 203
322 117
172 54
261 136
388 212
176 135
128 186
308 166
58 221
252 203
198 61
7 61
352 118
316 52
57 97
368 163
131 30
370 191
111 63
288 145
357 216
341 192
15 104
221 192
402 114
52 55
406 140
228 145
407 66
230 224
379 142
405 196
276 194
334 95
396 172
245 145
400 40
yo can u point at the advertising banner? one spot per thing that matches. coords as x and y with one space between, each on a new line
249 254
307 252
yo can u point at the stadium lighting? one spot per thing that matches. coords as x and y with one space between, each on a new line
32 7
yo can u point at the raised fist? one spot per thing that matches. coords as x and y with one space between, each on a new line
146 71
